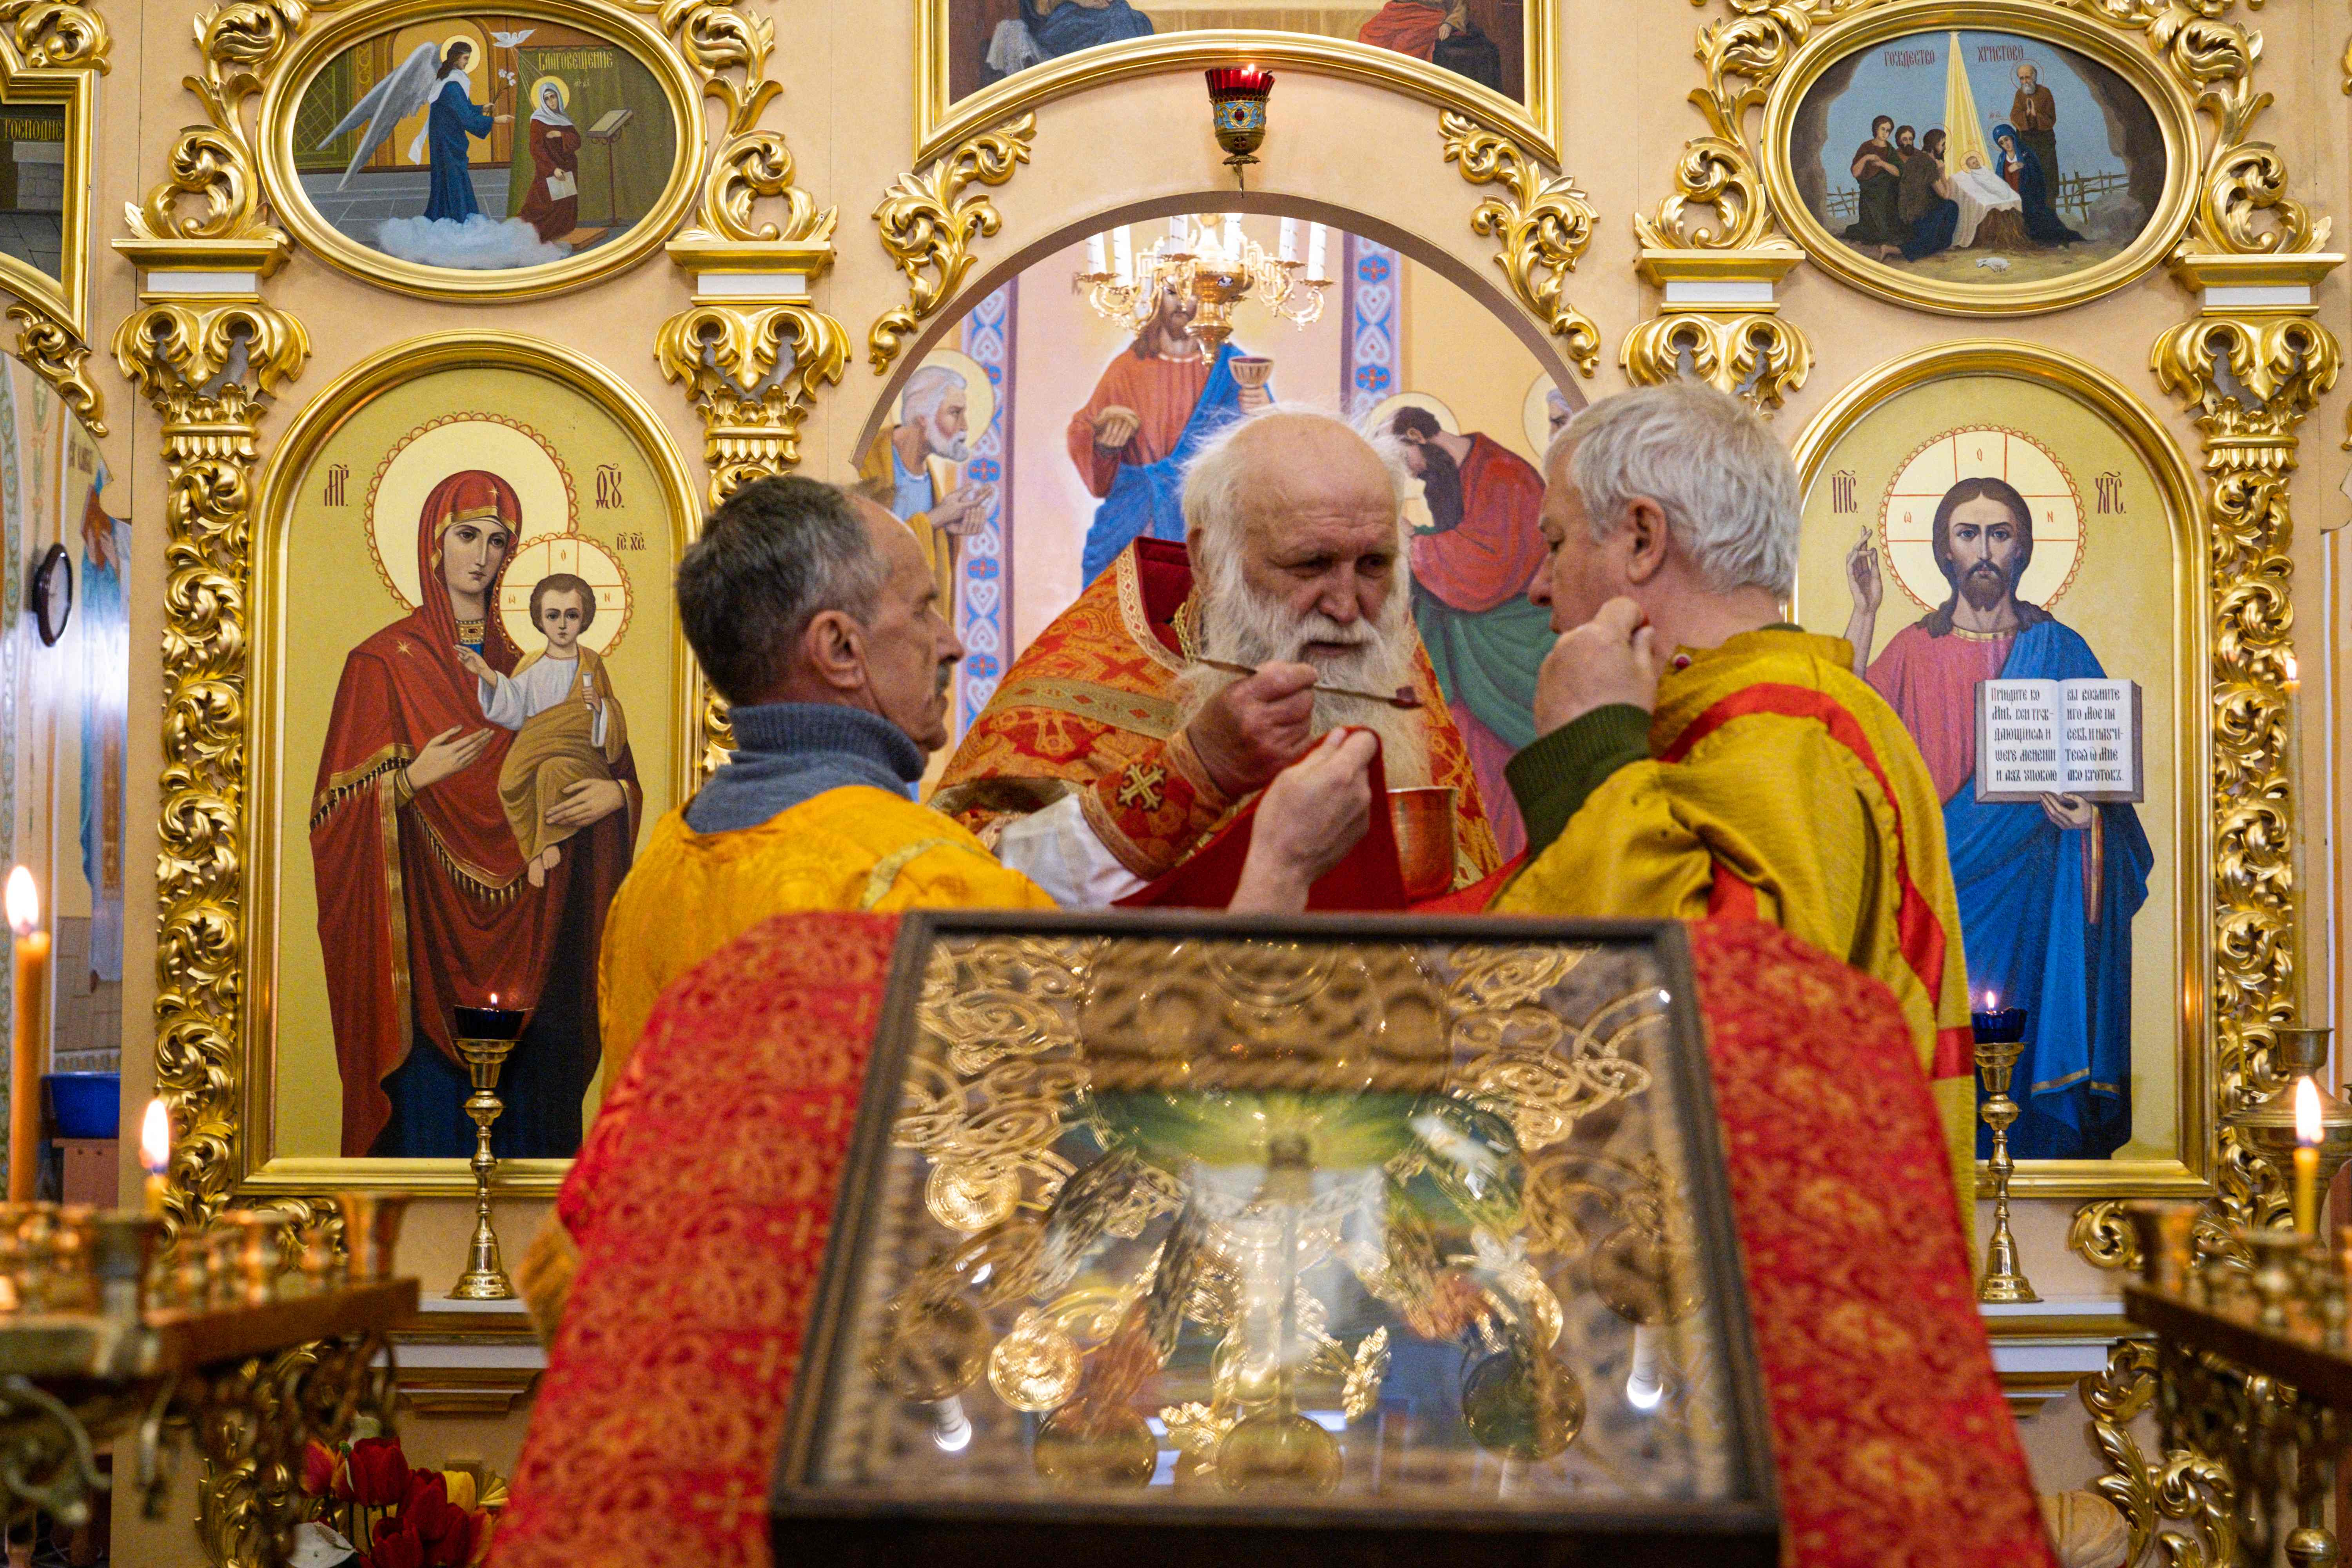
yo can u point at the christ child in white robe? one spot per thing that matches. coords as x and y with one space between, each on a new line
568 725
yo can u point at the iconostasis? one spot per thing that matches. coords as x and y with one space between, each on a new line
349 335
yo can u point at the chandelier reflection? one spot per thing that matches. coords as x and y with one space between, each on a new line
1211 269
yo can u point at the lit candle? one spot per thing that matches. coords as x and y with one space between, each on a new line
155 1154
1122 249
2306 1156
1289 251
2294 675
1996 1025
1315 253
1095 264
32 947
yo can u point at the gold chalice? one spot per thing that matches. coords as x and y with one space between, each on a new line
484 1037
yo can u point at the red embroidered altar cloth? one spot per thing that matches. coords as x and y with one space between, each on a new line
701 1199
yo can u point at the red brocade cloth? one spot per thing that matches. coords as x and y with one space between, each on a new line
701 1200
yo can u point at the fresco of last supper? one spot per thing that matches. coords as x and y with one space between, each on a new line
1978 157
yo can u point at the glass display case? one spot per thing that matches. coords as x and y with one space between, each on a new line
1171 1235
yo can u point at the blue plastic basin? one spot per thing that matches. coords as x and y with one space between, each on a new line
86 1104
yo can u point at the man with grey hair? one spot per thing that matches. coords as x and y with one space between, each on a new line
912 467
1698 754
811 611
1152 712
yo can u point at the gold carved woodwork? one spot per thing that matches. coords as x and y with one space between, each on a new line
207 365
2182 1488
929 220
1544 227
1734 343
52 51
252 1419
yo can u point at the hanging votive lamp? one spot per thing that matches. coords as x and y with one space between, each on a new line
1237 95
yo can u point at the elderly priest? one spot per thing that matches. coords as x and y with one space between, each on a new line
1699 755
1126 748
815 615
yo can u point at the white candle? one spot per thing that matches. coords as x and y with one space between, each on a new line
1315 251
1179 232
1095 266
1122 249
1289 251
1232 237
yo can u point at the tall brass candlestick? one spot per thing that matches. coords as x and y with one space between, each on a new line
484 1037
2000 1039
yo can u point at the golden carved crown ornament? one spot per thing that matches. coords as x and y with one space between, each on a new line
1542 224
928 219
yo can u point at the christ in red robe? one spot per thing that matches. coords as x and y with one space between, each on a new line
424 905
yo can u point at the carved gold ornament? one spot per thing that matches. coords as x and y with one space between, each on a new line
314 46
1732 189
1749 353
51 54
1543 228
179 354
929 220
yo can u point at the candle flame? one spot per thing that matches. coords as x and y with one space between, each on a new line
2306 1111
155 1138
2287 658
1989 1003
24 902
494 998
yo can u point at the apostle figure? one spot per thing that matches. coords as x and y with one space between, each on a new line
1438 31
1878 174
1113 751
2025 173
1701 756
1049 29
1470 574
2047 888
552 205
455 118
2034 113
933 424
1150 412
424 901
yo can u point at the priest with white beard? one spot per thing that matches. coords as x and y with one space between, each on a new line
1116 751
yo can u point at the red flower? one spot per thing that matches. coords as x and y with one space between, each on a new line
379 1472
397 1547
323 1471
446 1531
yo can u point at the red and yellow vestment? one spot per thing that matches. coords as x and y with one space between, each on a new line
1780 787
1091 707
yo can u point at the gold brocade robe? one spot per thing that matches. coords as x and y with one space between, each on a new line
1780 787
692 893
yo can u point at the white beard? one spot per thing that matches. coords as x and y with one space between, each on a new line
954 448
1237 625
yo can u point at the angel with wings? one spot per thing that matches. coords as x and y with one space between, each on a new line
435 75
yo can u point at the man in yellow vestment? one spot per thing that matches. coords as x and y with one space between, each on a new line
815 615
1114 749
1697 754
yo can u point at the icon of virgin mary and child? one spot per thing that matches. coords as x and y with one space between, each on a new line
474 811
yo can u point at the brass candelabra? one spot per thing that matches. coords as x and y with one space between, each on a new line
485 1278
2000 1039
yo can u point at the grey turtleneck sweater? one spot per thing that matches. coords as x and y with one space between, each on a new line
786 753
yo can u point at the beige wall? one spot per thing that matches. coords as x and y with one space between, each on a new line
1348 152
